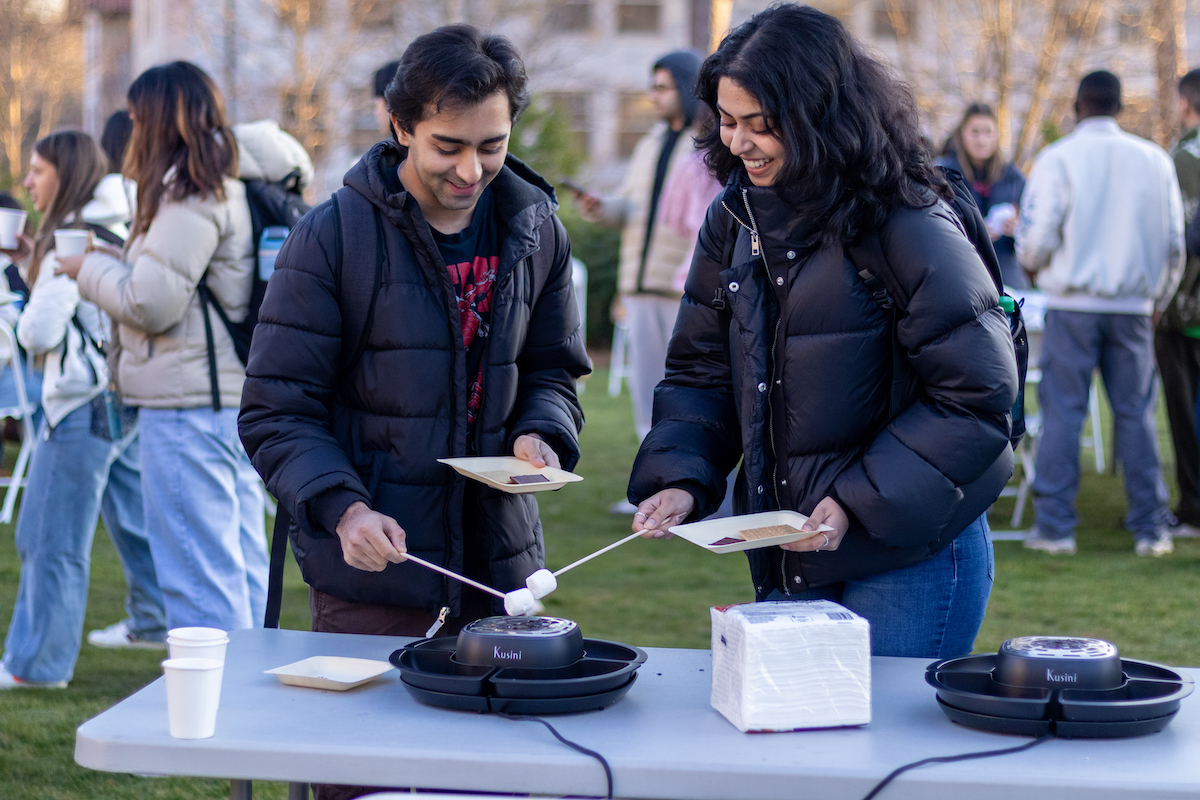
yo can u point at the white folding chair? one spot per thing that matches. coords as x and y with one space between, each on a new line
619 370
1097 438
1027 450
1033 311
579 279
21 411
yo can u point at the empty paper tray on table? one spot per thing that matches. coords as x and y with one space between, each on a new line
330 672
728 535
499 472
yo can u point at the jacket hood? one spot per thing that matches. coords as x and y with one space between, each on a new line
684 66
112 204
523 198
268 153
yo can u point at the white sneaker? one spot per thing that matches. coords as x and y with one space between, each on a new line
118 635
1154 546
1182 530
10 681
1055 547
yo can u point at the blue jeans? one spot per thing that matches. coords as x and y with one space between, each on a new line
74 477
204 518
1122 346
33 391
929 610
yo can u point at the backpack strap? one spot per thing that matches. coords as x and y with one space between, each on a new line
214 385
87 338
357 298
870 263
279 538
357 292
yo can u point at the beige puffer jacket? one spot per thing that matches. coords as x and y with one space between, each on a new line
152 298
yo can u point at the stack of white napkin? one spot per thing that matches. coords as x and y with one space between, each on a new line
789 665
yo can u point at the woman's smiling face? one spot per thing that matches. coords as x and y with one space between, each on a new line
744 130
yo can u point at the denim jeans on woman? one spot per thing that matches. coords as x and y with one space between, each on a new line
74 477
929 610
204 518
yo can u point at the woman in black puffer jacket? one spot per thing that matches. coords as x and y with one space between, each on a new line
783 358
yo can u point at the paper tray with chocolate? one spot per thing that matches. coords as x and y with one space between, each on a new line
748 531
511 474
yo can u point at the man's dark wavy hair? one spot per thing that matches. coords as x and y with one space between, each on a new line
455 66
852 143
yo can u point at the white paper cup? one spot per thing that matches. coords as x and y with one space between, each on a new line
185 649
71 242
198 643
193 694
197 635
12 222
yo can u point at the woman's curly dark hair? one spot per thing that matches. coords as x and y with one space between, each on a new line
853 148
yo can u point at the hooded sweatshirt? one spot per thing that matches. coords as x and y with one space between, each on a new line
66 328
650 254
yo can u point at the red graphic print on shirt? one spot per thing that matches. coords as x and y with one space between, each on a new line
473 283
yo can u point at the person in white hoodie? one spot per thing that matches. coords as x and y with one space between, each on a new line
1102 228
86 463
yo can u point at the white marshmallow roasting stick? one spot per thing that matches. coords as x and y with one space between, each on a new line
543 582
454 575
599 552
518 603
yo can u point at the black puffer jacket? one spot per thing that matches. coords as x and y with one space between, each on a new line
322 440
796 373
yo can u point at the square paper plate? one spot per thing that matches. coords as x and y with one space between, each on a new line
496 471
714 530
330 672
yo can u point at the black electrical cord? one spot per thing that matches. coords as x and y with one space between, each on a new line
948 759
573 745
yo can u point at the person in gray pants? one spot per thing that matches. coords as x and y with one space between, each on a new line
1102 227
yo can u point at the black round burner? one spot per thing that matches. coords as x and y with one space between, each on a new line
1073 687
476 673
537 642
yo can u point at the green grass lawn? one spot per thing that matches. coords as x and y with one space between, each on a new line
648 593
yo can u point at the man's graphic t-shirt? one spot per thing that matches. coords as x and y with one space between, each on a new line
472 256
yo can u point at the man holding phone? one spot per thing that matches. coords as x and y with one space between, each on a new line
651 250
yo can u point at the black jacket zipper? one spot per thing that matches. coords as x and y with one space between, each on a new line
756 249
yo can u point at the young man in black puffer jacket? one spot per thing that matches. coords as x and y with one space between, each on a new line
427 311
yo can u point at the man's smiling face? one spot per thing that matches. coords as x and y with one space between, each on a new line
453 156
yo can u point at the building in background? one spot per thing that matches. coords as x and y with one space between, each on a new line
308 63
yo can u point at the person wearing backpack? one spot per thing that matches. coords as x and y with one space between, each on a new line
890 421
203 501
973 149
425 311
81 469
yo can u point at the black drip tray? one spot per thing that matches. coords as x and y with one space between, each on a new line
433 676
1144 703
519 705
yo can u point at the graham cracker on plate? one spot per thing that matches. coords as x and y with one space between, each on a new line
767 532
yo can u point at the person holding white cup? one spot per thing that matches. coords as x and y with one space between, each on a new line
12 223
81 468
72 241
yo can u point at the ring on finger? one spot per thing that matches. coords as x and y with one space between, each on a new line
825 536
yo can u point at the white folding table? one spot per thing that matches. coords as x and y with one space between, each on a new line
663 740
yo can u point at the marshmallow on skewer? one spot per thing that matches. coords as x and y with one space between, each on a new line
519 603
542 582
